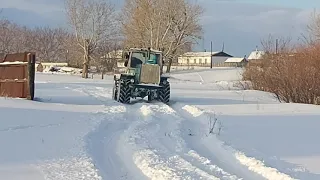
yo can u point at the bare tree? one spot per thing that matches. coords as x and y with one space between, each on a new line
5 36
314 26
273 45
49 43
73 54
161 24
93 21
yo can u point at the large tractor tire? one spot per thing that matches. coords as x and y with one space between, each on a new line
124 92
164 93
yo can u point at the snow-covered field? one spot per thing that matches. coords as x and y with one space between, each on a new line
211 130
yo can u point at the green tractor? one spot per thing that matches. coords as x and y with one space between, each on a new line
142 77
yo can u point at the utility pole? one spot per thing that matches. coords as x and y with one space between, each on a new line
211 55
277 46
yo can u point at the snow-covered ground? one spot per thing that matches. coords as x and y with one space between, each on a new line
211 130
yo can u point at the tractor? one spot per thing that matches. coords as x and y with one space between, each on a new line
142 77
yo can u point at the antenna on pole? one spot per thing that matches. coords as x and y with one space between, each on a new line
222 47
203 43
211 55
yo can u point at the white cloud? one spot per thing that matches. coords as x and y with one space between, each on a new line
241 26
36 6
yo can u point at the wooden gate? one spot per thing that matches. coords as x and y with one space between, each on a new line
17 74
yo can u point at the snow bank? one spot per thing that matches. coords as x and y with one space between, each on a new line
260 168
13 63
253 164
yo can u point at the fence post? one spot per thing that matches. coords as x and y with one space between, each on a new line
31 74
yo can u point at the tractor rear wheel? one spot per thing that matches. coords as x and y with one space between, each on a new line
164 93
124 92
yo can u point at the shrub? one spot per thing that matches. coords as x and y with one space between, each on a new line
292 77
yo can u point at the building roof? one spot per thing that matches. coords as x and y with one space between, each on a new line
205 54
234 60
256 55
198 54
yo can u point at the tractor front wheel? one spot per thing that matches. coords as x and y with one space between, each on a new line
124 92
164 93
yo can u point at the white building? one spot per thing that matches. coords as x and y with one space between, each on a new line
236 61
117 56
203 58
256 55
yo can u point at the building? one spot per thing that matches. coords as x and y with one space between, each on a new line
203 58
256 55
115 56
236 62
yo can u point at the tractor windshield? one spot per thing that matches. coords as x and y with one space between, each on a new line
154 59
142 58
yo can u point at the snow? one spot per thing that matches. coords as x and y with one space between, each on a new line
13 63
212 129
234 60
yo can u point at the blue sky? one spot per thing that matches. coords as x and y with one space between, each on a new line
239 24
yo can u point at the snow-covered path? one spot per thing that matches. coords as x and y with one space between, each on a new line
152 136
165 142
74 130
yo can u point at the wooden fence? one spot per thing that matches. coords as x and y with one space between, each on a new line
17 75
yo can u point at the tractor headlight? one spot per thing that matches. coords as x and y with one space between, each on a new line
164 82
132 80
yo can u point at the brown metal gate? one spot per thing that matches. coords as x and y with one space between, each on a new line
17 74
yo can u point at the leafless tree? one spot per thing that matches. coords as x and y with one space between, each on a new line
273 45
161 24
314 25
93 21
49 43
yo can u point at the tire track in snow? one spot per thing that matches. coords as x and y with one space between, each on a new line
197 133
154 159
190 154
163 154
105 144
216 145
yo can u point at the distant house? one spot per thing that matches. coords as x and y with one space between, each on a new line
117 56
236 62
203 58
256 55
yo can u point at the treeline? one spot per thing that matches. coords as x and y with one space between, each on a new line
289 70
96 28
50 44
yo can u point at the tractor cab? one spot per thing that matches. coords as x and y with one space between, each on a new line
138 56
